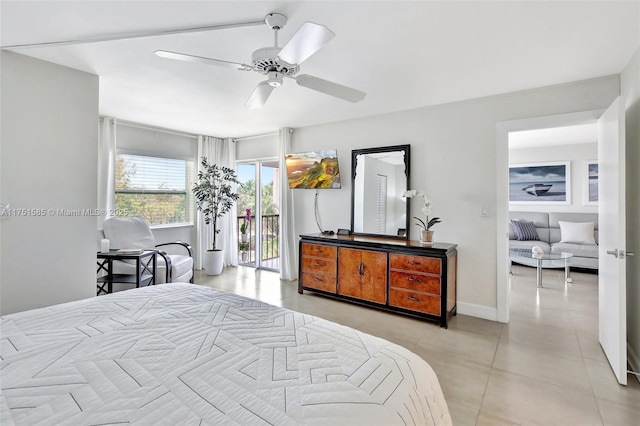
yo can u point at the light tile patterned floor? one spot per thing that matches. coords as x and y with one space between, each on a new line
545 367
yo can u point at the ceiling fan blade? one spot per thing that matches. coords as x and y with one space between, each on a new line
129 36
304 43
202 60
330 88
259 95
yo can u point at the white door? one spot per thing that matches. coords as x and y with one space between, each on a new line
612 282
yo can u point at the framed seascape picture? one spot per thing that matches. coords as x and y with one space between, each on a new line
591 183
540 183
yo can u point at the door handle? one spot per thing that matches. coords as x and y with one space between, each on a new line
627 253
613 252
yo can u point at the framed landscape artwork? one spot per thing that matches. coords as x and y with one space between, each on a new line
591 183
540 183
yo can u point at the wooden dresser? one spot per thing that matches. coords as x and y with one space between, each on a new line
390 274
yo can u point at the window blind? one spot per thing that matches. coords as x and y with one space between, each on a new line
155 188
381 204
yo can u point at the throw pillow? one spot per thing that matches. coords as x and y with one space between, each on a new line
577 232
525 230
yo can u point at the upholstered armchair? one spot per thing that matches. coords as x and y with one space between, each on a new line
134 233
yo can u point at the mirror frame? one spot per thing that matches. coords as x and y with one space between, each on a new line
354 160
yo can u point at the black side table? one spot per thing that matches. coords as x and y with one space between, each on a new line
146 264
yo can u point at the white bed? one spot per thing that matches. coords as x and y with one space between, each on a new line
187 354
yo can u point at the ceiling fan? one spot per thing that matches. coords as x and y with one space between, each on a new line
277 63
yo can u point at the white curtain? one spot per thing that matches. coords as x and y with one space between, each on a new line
221 152
106 167
288 242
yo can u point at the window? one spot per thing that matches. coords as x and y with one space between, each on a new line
157 189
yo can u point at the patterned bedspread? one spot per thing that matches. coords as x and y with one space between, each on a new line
187 354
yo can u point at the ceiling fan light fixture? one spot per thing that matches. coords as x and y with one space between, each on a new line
275 79
276 63
275 21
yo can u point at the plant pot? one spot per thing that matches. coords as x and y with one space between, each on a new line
244 237
244 256
426 236
213 262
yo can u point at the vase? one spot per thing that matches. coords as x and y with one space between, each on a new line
244 237
426 236
213 262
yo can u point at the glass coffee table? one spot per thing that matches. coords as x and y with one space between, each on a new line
543 260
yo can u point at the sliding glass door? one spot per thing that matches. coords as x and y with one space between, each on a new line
258 246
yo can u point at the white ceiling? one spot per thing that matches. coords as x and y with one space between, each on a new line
403 54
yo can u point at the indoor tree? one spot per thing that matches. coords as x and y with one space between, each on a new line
214 193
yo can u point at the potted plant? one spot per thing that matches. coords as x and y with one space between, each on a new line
244 247
214 196
243 227
426 234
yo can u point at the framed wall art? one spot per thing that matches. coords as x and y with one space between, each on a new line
540 183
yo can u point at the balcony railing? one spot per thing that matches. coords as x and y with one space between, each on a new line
269 237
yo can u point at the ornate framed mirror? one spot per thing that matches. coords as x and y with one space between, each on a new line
379 178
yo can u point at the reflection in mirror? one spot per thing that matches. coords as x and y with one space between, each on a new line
380 177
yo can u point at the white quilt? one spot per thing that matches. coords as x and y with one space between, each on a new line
186 354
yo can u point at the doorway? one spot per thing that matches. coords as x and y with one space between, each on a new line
258 214
611 212
504 129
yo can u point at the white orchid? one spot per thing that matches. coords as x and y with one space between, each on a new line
426 208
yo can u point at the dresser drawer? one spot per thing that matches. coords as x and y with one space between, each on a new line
318 250
416 282
428 265
320 266
414 301
319 281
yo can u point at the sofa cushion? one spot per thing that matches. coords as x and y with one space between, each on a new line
181 267
578 250
577 232
524 230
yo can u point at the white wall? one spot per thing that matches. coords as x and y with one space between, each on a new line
577 155
453 159
257 147
630 88
49 145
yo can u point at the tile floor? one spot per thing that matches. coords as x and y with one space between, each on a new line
545 367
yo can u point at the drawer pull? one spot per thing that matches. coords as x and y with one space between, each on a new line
317 250
413 299
413 262
317 264
318 279
413 280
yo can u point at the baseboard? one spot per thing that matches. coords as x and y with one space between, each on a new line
633 360
478 311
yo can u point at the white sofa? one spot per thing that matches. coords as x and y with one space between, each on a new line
548 229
